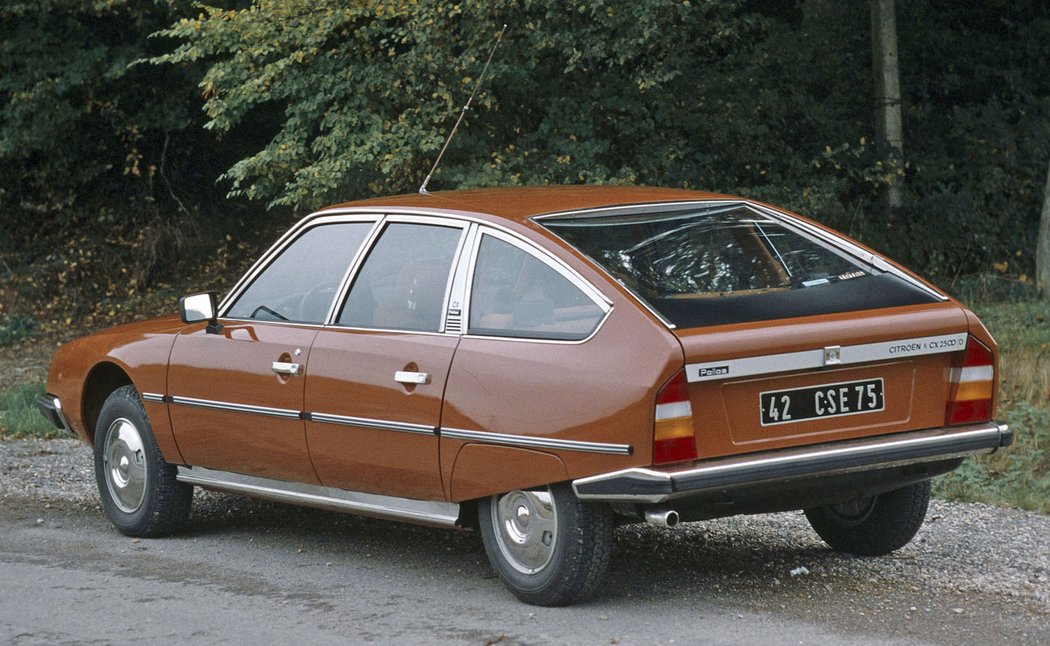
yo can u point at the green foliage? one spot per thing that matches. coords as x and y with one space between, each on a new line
365 93
19 416
17 327
1018 476
312 102
80 125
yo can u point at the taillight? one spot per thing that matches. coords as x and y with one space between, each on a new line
673 429
972 383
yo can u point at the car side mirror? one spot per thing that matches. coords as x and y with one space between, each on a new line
200 307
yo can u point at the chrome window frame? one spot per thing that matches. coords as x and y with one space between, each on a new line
550 261
278 247
369 245
457 288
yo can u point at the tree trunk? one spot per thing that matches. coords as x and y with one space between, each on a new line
889 136
1042 244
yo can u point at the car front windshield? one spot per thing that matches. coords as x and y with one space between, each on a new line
728 263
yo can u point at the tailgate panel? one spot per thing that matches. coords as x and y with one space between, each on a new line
907 351
741 404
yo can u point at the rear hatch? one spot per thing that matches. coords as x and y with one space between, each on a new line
756 387
792 335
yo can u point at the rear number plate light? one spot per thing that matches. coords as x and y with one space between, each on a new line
828 400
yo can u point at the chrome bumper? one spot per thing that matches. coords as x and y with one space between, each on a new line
655 485
51 408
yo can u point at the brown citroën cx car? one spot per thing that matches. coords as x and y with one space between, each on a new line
540 364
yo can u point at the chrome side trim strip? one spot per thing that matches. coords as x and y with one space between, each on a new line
345 420
424 512
153 397
237 408
653 486
536 442
811 359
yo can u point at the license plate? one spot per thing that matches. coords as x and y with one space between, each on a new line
828 400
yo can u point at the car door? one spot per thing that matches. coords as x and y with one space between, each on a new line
237 394
377 374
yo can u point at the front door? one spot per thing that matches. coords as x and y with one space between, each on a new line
237 395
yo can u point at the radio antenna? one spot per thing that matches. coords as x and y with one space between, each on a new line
463 112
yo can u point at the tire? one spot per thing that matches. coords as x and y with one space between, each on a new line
873 526
550 548
138 488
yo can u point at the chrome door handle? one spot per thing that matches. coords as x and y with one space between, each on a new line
284 368
405 377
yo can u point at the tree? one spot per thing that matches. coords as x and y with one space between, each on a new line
80 123
1042 249
888 123
356 98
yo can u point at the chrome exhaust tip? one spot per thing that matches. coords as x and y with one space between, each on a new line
661 517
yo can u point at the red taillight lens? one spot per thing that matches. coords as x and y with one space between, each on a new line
972 385
673 439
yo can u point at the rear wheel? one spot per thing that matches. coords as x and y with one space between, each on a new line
873 526
138 488
550 548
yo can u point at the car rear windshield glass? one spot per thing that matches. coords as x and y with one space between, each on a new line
720 264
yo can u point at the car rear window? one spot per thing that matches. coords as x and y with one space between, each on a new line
721 264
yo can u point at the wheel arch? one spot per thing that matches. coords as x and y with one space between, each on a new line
104 378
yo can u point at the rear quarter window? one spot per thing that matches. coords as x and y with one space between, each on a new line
515 294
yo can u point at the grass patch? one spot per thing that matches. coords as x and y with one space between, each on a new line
1018 476
19 416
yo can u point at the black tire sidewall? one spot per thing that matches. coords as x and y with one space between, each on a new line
125 403
893 520
579 559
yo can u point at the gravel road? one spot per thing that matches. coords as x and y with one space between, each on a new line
248 570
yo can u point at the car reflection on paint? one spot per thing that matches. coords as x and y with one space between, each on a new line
541 364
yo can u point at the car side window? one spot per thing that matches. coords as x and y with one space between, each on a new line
402 284
300 284
514 294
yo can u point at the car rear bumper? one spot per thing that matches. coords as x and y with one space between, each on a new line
51 407
656 485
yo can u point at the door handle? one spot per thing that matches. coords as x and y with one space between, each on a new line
285 368
405 377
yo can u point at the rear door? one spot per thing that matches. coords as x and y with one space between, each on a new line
377 374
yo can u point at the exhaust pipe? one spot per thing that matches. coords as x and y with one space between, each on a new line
661 517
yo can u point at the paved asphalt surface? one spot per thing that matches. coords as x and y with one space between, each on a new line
247 571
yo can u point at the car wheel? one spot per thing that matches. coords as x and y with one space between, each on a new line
550 548
138 488
873 526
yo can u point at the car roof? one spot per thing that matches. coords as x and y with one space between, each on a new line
521 203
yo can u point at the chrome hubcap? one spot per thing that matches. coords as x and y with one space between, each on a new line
526 529
124 463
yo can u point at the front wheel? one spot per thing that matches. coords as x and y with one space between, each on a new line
549 547
873 526
139 490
